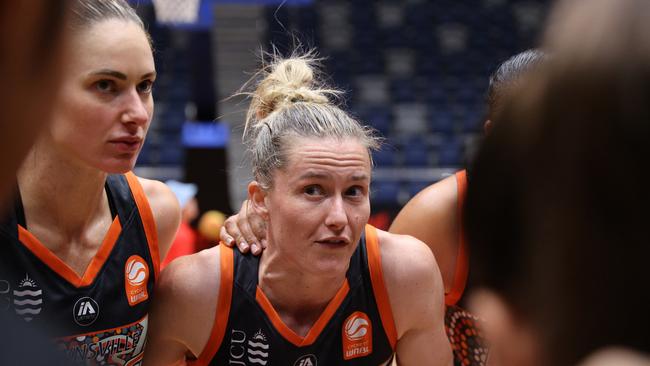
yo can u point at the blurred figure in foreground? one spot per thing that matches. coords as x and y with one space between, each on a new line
557 211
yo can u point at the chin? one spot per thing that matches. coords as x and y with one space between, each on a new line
118 166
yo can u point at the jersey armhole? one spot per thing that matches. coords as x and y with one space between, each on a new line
148 221
462 260
223 308
379 286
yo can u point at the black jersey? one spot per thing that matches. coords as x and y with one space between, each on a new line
356 328
101 316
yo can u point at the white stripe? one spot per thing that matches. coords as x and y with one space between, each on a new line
260 345
257 360
258 353
28 292
28 311
28 302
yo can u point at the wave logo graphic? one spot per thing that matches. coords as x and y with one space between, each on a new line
357 326
357 336
258 349
136 276
136 271
28 299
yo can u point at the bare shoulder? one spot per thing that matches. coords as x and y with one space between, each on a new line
435 200
165 209
405 257
186 298
161 198
412 280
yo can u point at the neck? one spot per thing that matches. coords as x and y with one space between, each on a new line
60 193
298 297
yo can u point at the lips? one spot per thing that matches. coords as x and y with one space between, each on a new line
334 241
127 144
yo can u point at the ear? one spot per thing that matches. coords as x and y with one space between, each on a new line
487 126
257 198
511 339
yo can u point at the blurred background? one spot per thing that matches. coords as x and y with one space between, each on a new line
415 70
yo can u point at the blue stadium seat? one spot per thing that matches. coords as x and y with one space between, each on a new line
384 193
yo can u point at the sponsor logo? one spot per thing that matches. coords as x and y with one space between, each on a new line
255 349
357 336
136 276
5 296
85 311
306 360
28 299
119 346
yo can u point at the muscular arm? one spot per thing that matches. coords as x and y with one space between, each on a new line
417 299
183 310
431 216
166 212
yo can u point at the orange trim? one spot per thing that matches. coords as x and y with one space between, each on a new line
315 330
60 267
462 260
148 221
223 308
379 286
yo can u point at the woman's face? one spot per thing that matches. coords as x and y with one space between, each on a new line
106 104
319 204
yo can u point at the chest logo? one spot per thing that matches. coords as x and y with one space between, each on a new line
306 360
136 278
28 299
85 311
357 336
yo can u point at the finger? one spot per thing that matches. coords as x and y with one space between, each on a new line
247 233
225 238
233 230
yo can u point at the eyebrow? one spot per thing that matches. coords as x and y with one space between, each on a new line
121 76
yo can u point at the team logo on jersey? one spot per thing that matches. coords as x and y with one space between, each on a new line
136 277
306 360
85 311
255 349
28 299
357 336
258 348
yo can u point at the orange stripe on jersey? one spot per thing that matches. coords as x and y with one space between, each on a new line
223 308
60 267
148 222
462 261
315 330
379 286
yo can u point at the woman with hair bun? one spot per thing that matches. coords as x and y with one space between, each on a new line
324 291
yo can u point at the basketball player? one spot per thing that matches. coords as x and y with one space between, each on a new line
433 215
81 246
324 291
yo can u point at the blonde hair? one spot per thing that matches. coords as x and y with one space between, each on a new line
292 101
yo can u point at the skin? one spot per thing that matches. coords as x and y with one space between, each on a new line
315 212
31 78
105 99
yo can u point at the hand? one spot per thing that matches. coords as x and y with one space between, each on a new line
245 229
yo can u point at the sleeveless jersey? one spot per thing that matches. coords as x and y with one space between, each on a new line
101 316
356 328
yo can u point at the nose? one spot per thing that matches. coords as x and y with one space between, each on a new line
136 110
337 217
